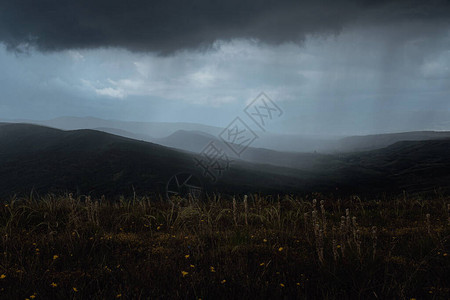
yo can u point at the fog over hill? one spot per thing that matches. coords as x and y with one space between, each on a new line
42 159
150 129
194 137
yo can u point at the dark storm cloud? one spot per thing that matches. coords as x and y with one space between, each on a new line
169 25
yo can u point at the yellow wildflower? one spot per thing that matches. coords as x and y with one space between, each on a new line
3 276
75 289
55 257
223 281
186 256
184 273
282 285
212 269
53 284
280 249
261 264
119 295
192 266
264 240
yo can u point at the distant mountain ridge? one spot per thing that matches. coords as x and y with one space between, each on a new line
151 129
377 141
191 136
197 141
42 159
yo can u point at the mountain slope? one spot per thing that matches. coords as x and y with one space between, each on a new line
153 129
177 135
92 162
410 165
378 141
195 141
40 158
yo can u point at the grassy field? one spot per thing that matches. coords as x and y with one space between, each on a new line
254 247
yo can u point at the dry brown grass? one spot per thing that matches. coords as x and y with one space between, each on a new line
62 247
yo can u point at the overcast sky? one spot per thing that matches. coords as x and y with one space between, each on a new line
334 67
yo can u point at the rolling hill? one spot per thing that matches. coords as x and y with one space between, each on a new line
184 136
378 141
195 141
44 159
92 162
